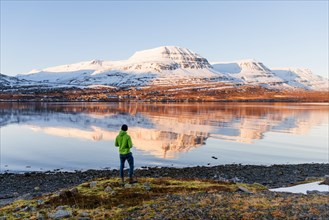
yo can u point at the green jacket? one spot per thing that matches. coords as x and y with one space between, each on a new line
123 141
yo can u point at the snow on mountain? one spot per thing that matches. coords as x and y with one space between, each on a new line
89 65
162 65
302 78
250 72
10 81
6 80
64 73
172 65
171 58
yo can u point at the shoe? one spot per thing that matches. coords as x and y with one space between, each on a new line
132 181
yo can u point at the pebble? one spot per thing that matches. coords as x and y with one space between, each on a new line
108 189
326 181
127 185
93 184
60 207
16 215
147 186
27 209
84 214
243 189
59 214
235 180
40 202
40 216
316 192
74 191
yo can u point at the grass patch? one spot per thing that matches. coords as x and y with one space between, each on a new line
108 199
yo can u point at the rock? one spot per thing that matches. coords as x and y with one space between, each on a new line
60 207
154 206
40 216
147 186
16 215
222 179
316 192
59 214
93 184
213 157
235 180
40 202
17 209
326 181
74 191
243 189
127 185
37 188
108 189
311 178
27 209
84 214
68 193
62 193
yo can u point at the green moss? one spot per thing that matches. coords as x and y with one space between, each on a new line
256 187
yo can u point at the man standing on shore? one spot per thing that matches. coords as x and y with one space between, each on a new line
123 141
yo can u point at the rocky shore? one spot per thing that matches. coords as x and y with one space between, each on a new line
34 184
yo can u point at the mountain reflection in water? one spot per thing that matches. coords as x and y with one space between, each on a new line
163 130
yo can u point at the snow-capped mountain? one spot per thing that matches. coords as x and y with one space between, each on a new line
254 72
10 81
162 65
167 58
250 72
302 78
172 65
7 80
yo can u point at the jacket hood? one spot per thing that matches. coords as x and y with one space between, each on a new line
122 133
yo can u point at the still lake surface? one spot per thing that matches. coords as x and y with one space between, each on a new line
80 136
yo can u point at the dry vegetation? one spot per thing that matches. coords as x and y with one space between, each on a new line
166 198
187 92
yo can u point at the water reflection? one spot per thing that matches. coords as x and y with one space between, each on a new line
163 130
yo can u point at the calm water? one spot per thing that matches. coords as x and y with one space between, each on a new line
79 136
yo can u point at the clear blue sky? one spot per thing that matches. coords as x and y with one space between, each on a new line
36 35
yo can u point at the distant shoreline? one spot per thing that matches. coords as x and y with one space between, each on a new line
164 94
176 101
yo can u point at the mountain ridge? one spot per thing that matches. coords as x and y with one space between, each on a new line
171 65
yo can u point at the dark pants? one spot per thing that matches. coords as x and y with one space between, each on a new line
129 157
